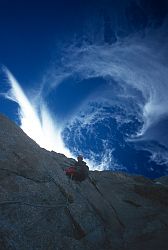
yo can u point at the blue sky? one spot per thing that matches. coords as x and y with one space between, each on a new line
33 34
29 31
65 54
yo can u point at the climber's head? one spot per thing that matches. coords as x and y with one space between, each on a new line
80 158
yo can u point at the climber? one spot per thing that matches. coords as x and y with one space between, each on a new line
78 172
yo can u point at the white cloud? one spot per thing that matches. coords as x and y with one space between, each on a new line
42 127
136 62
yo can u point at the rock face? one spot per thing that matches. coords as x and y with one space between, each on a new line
40 208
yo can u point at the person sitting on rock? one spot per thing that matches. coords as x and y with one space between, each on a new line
81 168
79 171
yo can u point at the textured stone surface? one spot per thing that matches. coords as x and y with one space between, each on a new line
40 208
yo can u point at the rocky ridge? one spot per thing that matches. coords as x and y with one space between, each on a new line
40 208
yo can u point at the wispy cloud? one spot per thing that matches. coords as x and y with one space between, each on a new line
39 125
135 62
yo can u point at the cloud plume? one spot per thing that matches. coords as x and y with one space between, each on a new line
40 126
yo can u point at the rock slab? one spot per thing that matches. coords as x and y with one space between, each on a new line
40 208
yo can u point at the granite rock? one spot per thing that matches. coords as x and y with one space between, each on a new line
41 208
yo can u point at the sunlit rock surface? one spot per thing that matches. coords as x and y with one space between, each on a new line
40 208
